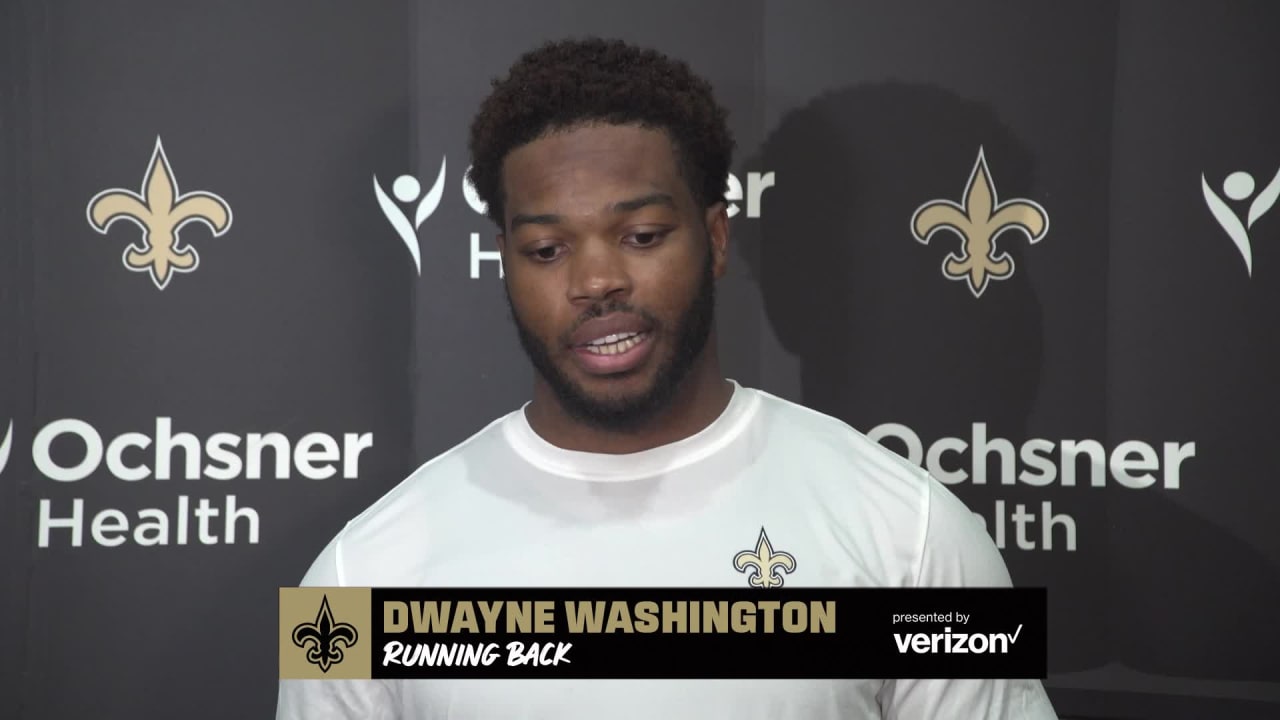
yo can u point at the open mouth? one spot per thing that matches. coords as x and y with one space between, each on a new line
615 344
615 353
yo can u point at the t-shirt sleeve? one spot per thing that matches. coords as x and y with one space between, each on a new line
957 551
333 699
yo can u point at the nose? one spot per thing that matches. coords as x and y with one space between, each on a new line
598 271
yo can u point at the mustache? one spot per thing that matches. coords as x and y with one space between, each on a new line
609 308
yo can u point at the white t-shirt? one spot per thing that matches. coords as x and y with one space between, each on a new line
505 508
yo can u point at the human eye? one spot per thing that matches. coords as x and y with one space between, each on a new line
647 238
544 253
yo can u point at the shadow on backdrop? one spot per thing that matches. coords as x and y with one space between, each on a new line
883 336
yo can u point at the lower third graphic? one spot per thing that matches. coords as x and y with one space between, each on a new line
324 633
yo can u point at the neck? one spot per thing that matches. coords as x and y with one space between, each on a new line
702 397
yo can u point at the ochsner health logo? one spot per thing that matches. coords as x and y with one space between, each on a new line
5 445
743 198
407 190
1239 186
78 460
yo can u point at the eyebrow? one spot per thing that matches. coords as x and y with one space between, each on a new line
644 201
619 207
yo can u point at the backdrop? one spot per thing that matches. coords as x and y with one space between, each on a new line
1031 247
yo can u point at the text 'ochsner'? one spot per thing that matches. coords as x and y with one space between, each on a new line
981 459
72 451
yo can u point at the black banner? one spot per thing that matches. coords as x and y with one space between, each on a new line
709 633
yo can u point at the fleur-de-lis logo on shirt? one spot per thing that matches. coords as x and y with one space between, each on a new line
324 639
762 565
160 212
978 221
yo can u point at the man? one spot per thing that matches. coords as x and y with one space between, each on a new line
636 462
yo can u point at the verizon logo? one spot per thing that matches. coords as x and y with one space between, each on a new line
950 643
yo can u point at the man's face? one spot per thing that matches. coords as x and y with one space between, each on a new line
610 268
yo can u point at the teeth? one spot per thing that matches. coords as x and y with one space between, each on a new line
611 339
612 345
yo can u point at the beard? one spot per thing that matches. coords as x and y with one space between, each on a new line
629 414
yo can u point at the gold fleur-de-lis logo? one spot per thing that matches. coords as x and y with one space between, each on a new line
762 565
978 222
324 639
160 212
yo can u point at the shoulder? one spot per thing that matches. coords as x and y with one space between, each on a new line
370 547
916 519
810 437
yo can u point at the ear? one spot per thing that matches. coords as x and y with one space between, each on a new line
716 221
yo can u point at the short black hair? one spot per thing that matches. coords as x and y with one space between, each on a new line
571 82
